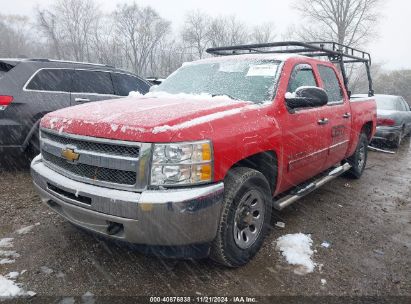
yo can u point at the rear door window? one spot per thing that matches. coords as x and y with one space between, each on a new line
331 83
52 80
124 84
95 82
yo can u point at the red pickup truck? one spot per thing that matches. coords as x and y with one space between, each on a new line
201 161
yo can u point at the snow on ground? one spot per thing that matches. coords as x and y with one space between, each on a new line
296 248
13 275
9 289
27 229
6 243
9 254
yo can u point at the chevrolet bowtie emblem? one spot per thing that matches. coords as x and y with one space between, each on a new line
70 155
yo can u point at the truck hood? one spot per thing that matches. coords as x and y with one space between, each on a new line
149 119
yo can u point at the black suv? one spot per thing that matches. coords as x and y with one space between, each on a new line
30 88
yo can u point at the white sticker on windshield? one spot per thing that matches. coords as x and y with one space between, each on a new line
266 70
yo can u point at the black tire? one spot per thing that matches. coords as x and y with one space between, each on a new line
358 160
242 185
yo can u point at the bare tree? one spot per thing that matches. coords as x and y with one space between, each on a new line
263 33
195 31
350 22
15 36
227 31
140 30
69 24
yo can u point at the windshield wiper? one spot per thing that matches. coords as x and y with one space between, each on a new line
229 96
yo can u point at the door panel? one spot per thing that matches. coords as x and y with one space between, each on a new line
303 136
338 111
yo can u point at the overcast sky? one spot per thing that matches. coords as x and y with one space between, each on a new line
392 47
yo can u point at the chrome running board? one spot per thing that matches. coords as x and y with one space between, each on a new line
295 195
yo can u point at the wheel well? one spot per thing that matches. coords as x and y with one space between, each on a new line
366 129
264 162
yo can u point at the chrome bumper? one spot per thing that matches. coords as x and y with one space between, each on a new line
162 217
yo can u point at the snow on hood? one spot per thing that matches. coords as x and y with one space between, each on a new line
155 113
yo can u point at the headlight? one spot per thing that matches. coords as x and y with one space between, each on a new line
182 163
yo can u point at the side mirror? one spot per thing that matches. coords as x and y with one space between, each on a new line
306 97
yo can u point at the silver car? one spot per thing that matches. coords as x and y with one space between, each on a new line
393 119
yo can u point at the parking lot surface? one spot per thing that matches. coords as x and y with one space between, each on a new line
367 223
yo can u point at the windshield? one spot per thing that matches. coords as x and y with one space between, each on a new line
248 80
387 103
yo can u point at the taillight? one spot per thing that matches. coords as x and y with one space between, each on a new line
385 122
5 101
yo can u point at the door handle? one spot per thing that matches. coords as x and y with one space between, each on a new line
347 115
81 100
323 121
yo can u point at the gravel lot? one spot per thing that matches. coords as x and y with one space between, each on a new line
367 222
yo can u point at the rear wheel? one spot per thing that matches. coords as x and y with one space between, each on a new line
245 217
359 159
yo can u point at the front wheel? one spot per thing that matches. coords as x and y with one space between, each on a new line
245 217
359 159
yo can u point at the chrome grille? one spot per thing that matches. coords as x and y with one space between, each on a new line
130 151
93 172
110 163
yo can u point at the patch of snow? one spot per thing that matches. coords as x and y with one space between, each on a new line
325 245
7 261
9 254
114 127
46 270
289 95
23 271
198 120
53 121
26 230
296 248
323 281
13 275
9 289
6 243
135 94
280 225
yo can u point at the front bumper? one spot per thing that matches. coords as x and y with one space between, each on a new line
387 133
162 217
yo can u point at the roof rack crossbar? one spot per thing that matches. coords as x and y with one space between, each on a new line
336 53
